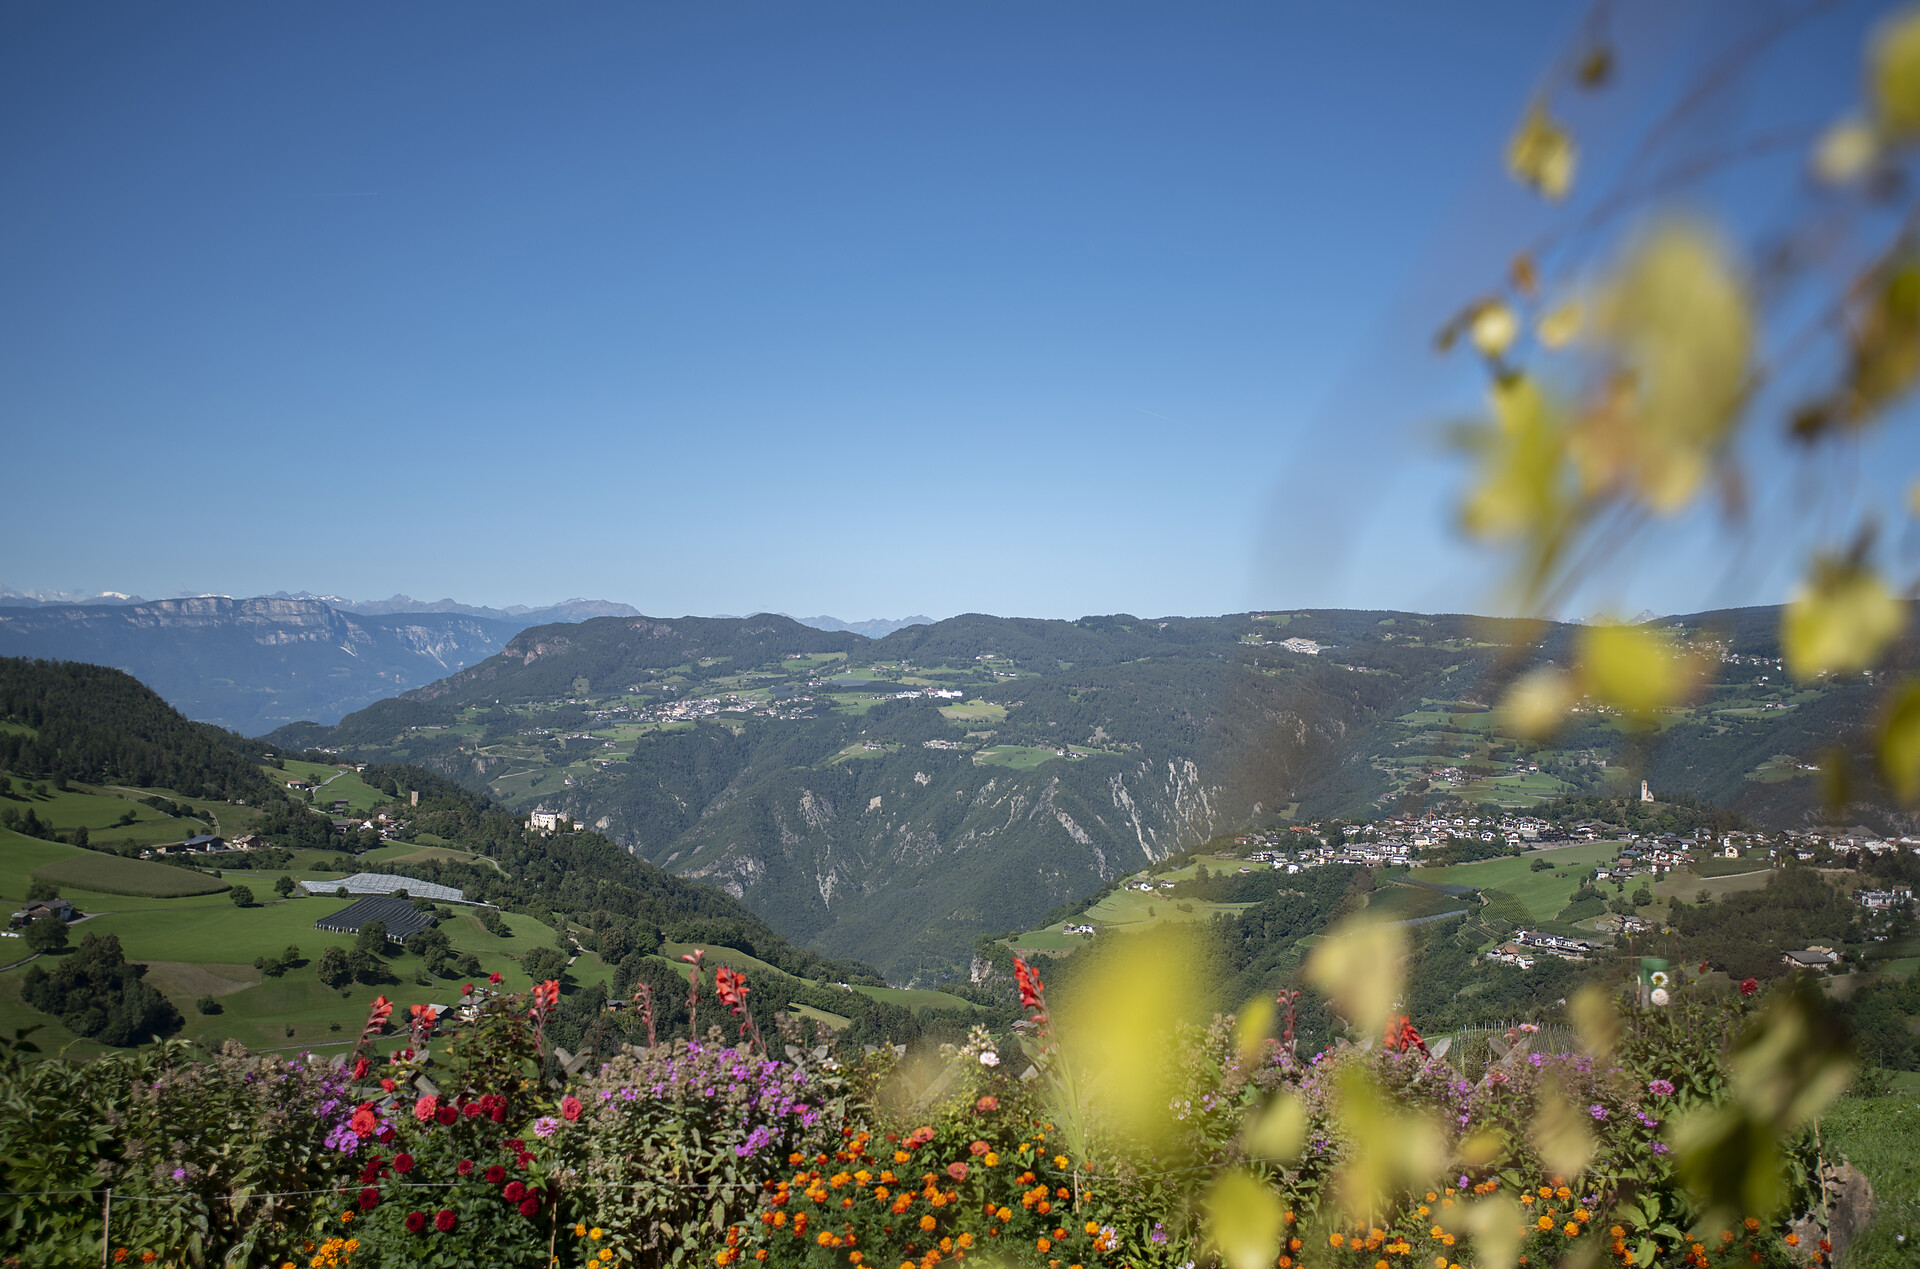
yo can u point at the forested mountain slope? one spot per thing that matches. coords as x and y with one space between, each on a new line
892 799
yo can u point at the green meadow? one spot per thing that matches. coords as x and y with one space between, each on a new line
1543 893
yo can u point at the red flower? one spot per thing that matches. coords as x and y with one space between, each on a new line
369 1198
371 1173
364 1121
493 978
495 1174
384 1135
444 1221
978 1148
446 1114
732 987
514 1145
1749 985
416 1221
530 1208
426 1108
1401 1035
360 1069
386 1086
403 1163
547 994
958 1171
1030 985
525 1158
569 1108
514 1192
987 1104
378 1015
471 1110
463 1168
466 989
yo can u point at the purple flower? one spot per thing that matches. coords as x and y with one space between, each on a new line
1660 1088
179 1174
1659 1147
628 1094
1597 1111
1463 1180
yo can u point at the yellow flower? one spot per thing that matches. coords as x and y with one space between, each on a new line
1060 1161
595 1232
1571 1229
1545 1222
990 1159
606 1254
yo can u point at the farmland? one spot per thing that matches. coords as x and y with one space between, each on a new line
112 874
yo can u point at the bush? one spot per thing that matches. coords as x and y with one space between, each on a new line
208 1005
242 897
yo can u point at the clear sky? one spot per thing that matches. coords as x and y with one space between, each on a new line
930 306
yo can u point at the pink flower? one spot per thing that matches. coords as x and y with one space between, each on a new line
570 1108
426 1108
958 1171
1661 1088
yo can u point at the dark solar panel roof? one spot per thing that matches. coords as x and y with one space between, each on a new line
402 919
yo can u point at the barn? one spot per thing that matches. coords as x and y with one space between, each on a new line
401 918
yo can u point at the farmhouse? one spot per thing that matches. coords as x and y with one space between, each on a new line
1819 959
380 883
41 907
401 918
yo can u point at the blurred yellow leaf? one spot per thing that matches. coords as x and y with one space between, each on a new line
1561 325
1536 704
1483 1148
1361 966
1244 1220
1495 1223
1280 1130
1884 339
1522 487
1388 1148
1250 1029
1894 75
1845 152
1635 669
1115 1027
1494 329
1788 1064
1595 1020
1542 155
1841 620
1900 743
1676 321
1562 1134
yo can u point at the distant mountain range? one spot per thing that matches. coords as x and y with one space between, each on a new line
876 628
256 664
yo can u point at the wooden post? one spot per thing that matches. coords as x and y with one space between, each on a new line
106 1228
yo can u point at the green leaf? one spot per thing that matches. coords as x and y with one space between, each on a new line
1244 1220
1841 620
1542 155
1894 75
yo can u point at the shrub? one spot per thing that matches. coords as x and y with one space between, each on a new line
208 1005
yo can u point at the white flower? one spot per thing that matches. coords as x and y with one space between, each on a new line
989 1058
1660 996
1659 979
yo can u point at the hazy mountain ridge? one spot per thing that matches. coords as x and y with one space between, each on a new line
873 628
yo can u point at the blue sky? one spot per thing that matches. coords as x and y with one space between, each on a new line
860 308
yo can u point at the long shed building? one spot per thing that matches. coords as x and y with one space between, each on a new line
401 918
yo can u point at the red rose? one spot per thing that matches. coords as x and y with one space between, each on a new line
464 1167
530 1208
570 1108
444 1221
416 1221
446 1114
1749 985
514 1192
369 1198
496 1174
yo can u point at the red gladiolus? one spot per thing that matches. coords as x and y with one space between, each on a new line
1402 1037
570 1108
446 1114
369 1199
463 1168
1749 985
495 1174
416 1221
381 1011
360 1069
444 1221
403 1163
1030 985
530 1208
514 1192
547 994
731 985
